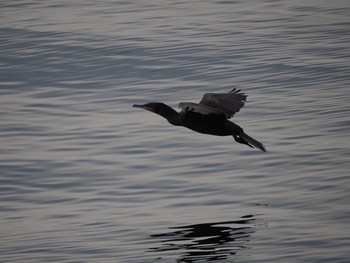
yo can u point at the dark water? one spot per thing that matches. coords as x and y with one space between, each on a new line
87 178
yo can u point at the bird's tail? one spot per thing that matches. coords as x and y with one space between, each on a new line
251 142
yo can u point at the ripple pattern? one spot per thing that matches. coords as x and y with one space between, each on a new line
84 177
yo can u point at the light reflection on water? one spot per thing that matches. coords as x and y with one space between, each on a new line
84 177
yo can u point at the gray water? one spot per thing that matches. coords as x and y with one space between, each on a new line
87 178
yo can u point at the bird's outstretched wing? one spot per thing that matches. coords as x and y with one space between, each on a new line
217 103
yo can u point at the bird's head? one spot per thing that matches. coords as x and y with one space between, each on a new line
160 109
156 107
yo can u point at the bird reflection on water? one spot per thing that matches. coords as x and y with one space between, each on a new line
208 241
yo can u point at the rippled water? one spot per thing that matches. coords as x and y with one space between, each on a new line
87 178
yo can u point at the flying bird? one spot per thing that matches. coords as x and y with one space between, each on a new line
209 116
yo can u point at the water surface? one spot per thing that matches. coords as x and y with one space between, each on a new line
87 178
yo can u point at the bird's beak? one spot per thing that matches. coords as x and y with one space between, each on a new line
141 106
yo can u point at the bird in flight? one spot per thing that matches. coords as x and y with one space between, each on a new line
209 116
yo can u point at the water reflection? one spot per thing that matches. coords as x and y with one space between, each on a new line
207 241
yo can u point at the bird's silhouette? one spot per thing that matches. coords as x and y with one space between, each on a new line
209 116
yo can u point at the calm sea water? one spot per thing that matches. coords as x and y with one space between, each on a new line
87 178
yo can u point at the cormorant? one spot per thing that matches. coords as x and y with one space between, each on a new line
210 116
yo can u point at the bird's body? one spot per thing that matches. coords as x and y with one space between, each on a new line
207 124
210 116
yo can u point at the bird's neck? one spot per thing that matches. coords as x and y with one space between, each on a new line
172 116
